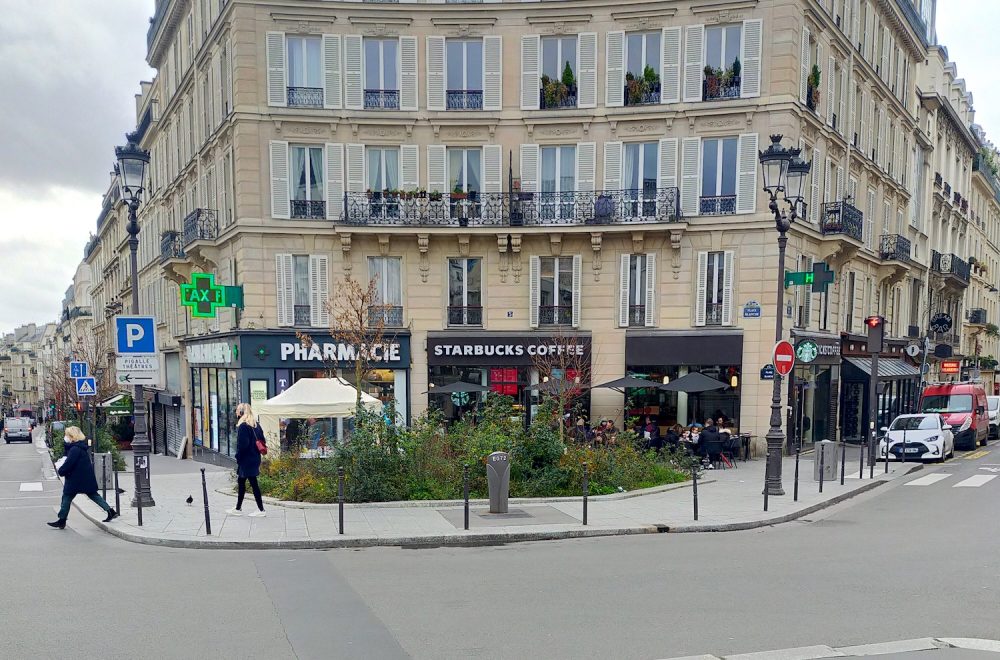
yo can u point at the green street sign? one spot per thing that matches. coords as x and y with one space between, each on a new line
801 278
203 296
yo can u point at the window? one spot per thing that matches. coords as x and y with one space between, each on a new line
718 176
722 53
555 292
638 275
386 273
305 86
381 74
383 180
307 182
559 88
715 277
465 297
642 66
464 74
464 170
300 289
639 177
558 182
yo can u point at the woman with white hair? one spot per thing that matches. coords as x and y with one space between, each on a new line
78 472
248 433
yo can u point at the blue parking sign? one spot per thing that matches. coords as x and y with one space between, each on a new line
135 335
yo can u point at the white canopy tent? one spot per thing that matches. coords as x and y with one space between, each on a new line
318 398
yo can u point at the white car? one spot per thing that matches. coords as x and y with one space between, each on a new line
993 409
921 437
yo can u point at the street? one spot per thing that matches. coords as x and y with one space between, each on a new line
896 563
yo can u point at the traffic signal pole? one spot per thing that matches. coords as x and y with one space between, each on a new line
876 336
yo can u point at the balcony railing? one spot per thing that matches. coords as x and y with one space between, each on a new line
171 245
947 190
555 315
951 337
714 89
601 207
938 181
637 95
303 314
719 205
464 99
389 316
713 314
381 99
201 225
305 97
465 315
949 264
636 315
567 101
977 316
308 209
912 331
843 218
811 97
958 198
894 247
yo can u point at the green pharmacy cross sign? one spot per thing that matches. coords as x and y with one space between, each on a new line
203 296
820 277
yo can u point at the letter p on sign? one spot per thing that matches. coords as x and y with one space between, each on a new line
135 335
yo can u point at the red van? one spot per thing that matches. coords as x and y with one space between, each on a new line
963 406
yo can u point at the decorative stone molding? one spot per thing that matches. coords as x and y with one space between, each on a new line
637 241
503 241
423 244
595 245
676 234
302 129
463 245
515 248
838 254
345 249
383 245
555 244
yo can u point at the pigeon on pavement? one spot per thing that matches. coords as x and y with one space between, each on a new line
189 499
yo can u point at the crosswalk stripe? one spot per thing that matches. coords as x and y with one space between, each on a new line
29 486
928 480
975 481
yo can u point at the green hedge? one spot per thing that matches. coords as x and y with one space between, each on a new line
105 443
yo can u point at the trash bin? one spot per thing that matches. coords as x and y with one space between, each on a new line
498 480
104 470
830 451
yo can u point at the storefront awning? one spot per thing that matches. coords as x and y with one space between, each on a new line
116 401
888 368
685 347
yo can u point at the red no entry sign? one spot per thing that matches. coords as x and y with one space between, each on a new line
783 357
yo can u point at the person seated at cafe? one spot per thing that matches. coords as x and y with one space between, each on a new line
710 434
651 434
581 434
673 436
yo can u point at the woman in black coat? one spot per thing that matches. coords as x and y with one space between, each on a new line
247 460
78 472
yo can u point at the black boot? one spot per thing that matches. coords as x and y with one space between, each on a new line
59 524
112 514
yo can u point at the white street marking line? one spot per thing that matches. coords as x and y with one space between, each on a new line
31 486
975 481
928 480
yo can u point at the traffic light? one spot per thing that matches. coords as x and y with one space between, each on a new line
876 333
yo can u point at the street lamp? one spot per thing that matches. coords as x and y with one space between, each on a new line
784 176
131 170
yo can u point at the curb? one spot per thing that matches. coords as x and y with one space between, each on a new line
879 648
472 538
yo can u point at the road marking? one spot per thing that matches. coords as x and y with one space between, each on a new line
928 480
976 454
975 481
31 486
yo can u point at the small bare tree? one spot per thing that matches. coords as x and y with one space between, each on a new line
564 372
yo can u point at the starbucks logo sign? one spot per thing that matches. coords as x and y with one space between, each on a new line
806 351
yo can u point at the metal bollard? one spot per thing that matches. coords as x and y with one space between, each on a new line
795 490
861 461
104 479
340 499
586 491
694 487
822 471
118 502
204 495
843 460
887 451
767 473
465 493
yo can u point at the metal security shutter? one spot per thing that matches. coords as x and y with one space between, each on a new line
174 429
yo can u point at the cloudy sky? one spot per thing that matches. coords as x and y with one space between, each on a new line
69 70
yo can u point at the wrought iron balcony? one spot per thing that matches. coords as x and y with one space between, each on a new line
638 95
201 225
843 218
947 190
894 247
305 97
465 315
636 315
713 313
601 207
171 245
389 316
977 316
567 101
303 315
811 97
949 264
957 197
555 315
938 181
308 209
714 89
464 99
719 205
951 337
381 99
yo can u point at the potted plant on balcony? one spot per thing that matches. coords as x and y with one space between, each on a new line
435 196
458 194
813 82
568 79
635 89
713 81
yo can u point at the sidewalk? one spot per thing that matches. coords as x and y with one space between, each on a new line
728 500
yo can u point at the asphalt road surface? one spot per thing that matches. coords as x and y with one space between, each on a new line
917 558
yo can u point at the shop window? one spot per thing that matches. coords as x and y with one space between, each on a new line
465 296
503 380
386 273
714 297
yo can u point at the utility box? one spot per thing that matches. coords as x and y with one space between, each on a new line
498 480
104 470
830 453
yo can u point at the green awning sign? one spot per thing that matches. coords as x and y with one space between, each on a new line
203 296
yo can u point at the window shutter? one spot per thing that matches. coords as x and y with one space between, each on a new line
840 183
577 283
586 66
435 73
230 77
867 124
701 289
690 175
529 168
883 67
727 288
333 93
670 65
531 79
586 166
746 174
216 91
751 72
856 23
284 277
694 61
334 181
612 166
614 56
409 166
319 290
842 112
650 292
277 85
492 73
623 299
869 17
356 168
534 271
830 89
436 170
804 65
668 164
280 204
492 168
408 73
852 137
354 86
815 212
827 174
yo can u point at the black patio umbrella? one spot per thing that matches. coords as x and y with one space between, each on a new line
459 386
693 382
620 384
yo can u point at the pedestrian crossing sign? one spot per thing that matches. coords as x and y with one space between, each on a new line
86 386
